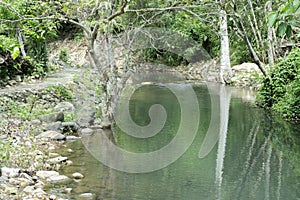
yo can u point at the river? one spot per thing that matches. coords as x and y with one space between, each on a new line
238 152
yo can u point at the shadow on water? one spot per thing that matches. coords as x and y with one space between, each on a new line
251 154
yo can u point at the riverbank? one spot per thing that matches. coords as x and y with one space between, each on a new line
40 117
37 120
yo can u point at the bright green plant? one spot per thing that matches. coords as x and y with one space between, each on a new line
60 91
63 55
285 17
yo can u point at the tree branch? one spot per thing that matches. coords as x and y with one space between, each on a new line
120 12
47 18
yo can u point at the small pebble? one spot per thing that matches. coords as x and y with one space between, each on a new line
70 150
52 155
77 175
68 190
69 162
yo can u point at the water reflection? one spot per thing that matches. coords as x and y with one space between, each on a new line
256 155
225 97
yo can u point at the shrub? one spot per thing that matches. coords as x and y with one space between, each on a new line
282 92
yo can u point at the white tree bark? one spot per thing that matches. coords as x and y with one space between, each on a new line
225 71
225 96
21 43
270 37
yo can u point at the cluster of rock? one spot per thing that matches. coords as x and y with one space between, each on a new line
38 165
206 71
16 183
51 130
244 75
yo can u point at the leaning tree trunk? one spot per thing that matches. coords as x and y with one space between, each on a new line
225 69
100 59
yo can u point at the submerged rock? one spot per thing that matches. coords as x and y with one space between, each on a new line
52 197
46 174
87 196
53 135
77 175
72 137
68 190
58 159
57 179
87 131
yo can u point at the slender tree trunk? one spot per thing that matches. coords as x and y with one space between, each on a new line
225 96
243 34
255 22
225 71
20 40
270 51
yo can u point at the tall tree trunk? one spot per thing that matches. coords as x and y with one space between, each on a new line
225 97
270 51
225 71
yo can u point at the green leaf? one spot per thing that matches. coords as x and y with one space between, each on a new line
285 9
272 18
15 53
282 29
296 4
288 31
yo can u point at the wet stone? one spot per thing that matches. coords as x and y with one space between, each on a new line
53 135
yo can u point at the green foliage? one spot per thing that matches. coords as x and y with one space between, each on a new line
63 93
286 17
63 55
34 33
239 52
4 153
181 22
69 117
22 111
289 104
282 92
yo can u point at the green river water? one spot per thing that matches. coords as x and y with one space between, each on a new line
257 157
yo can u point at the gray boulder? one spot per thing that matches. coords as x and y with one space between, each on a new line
55 126
57 179
46 174
64 107
53 117
86 131
53 135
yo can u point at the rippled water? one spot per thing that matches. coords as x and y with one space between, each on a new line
256 158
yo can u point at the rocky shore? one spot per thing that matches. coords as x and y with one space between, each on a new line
35 123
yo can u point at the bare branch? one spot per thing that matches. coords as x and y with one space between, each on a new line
120 12
162 9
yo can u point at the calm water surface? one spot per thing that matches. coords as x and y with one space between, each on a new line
258 158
